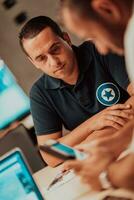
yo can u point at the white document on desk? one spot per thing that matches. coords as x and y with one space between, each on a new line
62 180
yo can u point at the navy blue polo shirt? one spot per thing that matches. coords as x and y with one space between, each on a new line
102 82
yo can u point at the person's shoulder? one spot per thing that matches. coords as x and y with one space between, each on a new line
88 48
37 86
87 45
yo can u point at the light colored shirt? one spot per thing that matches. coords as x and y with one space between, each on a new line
129 47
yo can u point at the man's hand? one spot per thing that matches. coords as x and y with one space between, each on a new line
90 168
114 142
115 116
121 172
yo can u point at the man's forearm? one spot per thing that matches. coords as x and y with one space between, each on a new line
88 138
101 134
78 135
116 142
73 138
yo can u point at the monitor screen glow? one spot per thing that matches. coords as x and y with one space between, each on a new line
14 103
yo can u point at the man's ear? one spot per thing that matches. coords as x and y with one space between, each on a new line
67 38
107 9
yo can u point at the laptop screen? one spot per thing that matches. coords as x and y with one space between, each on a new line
16 182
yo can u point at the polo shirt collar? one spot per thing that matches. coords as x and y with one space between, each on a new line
52 83
83 59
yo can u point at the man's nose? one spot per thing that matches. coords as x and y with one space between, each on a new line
54 61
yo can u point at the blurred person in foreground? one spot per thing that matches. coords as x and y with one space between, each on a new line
110 25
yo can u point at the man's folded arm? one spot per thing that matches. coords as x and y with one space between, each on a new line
75 137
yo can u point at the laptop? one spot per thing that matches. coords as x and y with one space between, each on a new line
16 181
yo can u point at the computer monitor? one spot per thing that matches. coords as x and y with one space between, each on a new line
16 181
14 103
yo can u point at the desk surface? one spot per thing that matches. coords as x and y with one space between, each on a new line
72 190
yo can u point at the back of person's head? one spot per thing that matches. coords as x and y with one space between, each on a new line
91 8
81 6
35 25
98 19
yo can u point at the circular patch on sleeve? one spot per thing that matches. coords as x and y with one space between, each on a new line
108 94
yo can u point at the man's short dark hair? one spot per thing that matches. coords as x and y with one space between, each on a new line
35 25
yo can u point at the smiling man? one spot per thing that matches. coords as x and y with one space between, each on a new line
77 83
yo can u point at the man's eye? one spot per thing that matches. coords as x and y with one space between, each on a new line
42 58
56 49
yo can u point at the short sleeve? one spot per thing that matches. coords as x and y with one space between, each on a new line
46 120
117 68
